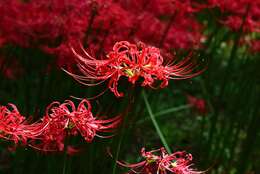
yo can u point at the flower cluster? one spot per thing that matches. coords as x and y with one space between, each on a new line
243 14
160 162
50 25
42 22
133 61
172 24
60 121
54 26
47 25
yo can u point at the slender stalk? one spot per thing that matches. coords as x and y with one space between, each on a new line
163 113
233 53
223 85
158 130
171 110
64 163
124 127
119 146
65 156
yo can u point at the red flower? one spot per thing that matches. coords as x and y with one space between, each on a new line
2 40
255 46
14 127
198 104
240 12
72 150
162 163
65 119
60 121
133 61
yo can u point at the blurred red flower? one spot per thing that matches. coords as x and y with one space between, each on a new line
198 104
238 13
255 46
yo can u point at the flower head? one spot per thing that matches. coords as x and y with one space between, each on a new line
14 126
160 162
67 120
133 61
198 104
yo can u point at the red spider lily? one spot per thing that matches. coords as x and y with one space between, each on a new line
65 119
162 163
14 127
133 61
254 46
198 104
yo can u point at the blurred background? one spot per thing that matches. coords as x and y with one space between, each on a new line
214 116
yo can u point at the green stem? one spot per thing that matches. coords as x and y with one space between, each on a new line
118 148
124 127
64 163
233 54
163 114
158 130
65 156
171 110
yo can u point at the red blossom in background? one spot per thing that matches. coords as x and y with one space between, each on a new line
186 34
160 162
172 24
72 150
41 21
2 40
10 69
239 12
134 61
46 24
198 104
255 46
110 23
50 25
